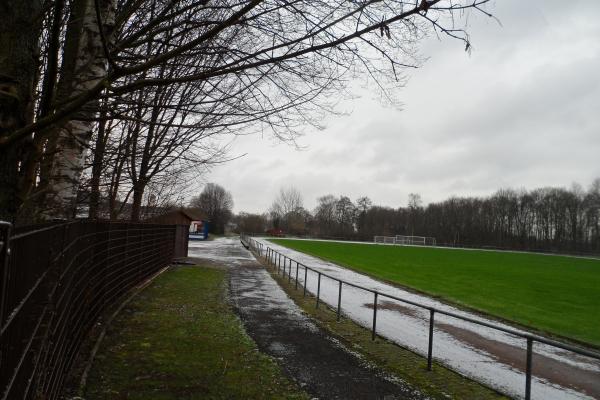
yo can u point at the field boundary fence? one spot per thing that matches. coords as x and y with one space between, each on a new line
56 281
283 264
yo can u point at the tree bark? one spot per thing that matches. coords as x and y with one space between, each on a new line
84 65
20 25
138 196
97 167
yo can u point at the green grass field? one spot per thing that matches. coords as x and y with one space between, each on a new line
179 339
555 294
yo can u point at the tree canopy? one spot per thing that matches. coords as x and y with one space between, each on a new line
128 91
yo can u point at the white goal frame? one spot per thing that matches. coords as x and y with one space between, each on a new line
406 240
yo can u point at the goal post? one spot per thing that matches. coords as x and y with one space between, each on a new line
406 240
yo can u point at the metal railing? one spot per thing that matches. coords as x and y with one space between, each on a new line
283 264
56 282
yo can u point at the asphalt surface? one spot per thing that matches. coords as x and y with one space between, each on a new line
323 367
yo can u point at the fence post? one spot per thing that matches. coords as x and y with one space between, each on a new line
430 347
5 228
374 316
339 301
528 369
318 289
296 275
290 271
305 279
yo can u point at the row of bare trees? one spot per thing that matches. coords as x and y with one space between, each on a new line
554 219
547 218
118 103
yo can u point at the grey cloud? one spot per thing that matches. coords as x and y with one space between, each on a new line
521 111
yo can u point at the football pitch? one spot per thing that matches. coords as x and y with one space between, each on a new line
555 294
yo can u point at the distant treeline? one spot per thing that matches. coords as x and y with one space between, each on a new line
551 219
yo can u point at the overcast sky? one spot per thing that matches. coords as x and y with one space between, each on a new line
522 111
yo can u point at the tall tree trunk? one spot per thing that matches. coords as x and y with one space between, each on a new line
97 167
34 156
84 65
138 196
20 26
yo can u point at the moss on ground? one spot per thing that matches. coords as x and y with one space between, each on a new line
440 383
179 339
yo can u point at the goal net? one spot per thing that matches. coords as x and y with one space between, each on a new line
406 240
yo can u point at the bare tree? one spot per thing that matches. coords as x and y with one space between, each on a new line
251 223
325 215
216 203
287 211
21 24
273 64
84 66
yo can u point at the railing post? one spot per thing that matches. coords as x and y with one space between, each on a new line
305 279
528 369
318 289
5 228
290 272
374 316
430 347
296 275
339 308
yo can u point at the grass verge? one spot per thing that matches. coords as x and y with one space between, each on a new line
554 294
440 383
179 339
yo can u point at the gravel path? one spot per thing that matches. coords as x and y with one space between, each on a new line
322 366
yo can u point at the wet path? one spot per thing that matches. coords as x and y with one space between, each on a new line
489 356
324 368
